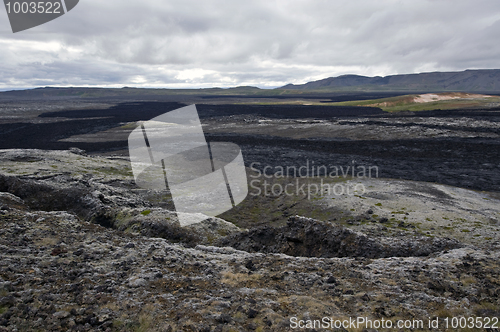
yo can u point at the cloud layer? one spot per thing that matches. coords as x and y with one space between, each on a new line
187 43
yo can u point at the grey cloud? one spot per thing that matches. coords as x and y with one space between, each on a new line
253 42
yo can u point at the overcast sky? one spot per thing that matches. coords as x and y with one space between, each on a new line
222 43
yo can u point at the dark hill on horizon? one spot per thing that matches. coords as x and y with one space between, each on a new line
482 80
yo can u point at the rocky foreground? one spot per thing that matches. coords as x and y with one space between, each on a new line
83 249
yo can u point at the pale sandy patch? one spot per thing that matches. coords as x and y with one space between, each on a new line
429 97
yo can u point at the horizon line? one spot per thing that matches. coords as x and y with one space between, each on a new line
195 87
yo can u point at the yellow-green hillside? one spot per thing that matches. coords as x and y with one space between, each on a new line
412 102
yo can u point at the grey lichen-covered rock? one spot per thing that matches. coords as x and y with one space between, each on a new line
8 201
59 273
158 222
62 270
136 282
314 238
99 190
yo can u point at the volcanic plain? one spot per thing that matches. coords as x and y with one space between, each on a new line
388 215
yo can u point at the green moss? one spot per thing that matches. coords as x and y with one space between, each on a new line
115 171
211 239
378 204
118 324
223 232
130 125
146 212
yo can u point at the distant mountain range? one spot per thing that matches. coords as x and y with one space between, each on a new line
483 80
